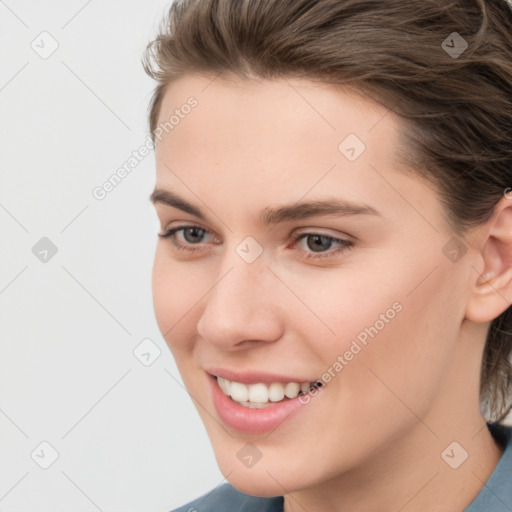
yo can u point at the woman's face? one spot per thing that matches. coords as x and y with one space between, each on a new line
363 294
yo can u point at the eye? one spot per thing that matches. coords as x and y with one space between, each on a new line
317 245
320 244
191 234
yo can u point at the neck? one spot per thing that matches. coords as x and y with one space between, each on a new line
420 469
411 475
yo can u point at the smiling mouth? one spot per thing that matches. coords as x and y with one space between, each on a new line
258 396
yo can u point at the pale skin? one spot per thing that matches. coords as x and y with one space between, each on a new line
372 439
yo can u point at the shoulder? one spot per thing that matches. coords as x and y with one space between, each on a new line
496 494
227 498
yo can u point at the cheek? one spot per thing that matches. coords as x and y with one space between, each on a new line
356 301
162 295
175 292
390 332
404 364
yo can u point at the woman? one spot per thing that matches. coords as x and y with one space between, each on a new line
334 269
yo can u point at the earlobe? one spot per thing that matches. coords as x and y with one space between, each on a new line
491 293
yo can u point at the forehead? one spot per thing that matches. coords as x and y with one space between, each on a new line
272 107
283 121
255 143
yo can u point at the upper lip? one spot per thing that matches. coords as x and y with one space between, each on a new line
254 377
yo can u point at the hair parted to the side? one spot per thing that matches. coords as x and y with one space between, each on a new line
457 112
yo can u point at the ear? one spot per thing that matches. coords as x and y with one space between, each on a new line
491 292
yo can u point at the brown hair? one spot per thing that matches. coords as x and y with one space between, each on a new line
457 109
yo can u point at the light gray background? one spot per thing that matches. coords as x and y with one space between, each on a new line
127 435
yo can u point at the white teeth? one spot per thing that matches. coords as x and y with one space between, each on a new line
292 389
239 392
224 384
259 395
276 392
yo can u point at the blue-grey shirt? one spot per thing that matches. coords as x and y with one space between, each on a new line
495 496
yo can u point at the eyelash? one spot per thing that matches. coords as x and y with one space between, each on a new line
345 245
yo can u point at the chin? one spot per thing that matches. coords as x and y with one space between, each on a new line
260 486
264 479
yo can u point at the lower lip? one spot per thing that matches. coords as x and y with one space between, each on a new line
253 421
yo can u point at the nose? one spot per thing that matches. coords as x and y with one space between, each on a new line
242 309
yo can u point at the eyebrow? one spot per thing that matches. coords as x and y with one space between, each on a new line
296 211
